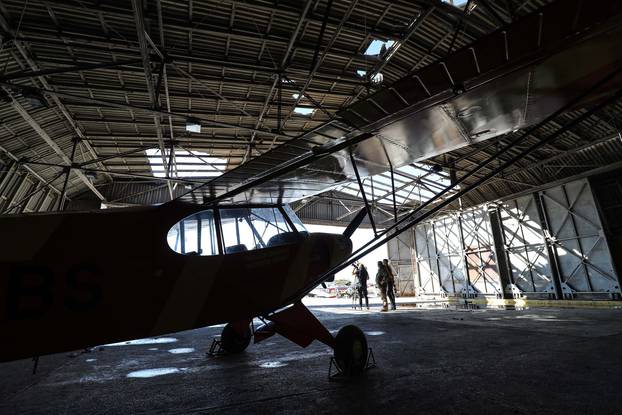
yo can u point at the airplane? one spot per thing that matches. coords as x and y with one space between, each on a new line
79 279
231 250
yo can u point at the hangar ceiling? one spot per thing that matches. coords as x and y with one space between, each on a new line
116 85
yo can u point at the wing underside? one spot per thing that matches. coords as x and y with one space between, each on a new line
502 83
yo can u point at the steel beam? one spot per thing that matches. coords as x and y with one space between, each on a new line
278 79
16 160
26 199
319 62
144 52
76 68
44 135
4 23
137 108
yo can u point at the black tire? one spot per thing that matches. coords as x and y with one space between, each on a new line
351 351
232 342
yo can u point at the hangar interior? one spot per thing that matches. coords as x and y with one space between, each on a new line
480 139
87 105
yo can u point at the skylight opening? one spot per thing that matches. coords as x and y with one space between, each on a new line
304 111
187 164
376 78
379 47
193 125
461 4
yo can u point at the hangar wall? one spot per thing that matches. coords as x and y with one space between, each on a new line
550 244
20 192
401 257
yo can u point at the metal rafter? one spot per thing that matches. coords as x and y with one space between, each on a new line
44 135
4 23
144 51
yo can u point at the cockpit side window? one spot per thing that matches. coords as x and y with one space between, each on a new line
194 235
241 229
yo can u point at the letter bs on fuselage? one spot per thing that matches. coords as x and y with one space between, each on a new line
32 290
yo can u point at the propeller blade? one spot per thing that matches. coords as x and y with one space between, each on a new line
355 223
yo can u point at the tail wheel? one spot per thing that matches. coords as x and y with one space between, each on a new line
232 341
351 351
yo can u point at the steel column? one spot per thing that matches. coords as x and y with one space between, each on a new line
505 274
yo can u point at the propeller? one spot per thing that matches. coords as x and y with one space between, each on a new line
355 223
348 232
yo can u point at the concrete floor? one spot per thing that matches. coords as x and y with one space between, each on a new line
429 361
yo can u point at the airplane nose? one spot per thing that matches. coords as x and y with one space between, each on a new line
335 248
343 248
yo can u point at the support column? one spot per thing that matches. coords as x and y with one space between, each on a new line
505 273
550 249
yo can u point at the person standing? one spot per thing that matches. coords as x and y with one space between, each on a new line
390 282
382 278
355 292
362 277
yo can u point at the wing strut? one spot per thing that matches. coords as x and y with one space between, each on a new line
367 207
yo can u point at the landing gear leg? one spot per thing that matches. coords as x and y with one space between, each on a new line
352 356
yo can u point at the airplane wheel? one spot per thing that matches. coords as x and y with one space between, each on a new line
351 351
232 342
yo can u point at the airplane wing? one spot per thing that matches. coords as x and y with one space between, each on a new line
508 80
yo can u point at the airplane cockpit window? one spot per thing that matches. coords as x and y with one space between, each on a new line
295 219
195 235
245 229
240 230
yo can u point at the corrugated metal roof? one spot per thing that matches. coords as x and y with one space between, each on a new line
223 57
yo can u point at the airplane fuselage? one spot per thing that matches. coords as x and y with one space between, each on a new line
79 279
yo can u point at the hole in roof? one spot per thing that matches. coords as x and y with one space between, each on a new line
378 47
193 125
296 96
376 78
461 4
304 110
185 163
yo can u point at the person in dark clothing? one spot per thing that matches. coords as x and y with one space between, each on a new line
390 282
382 278
361 284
